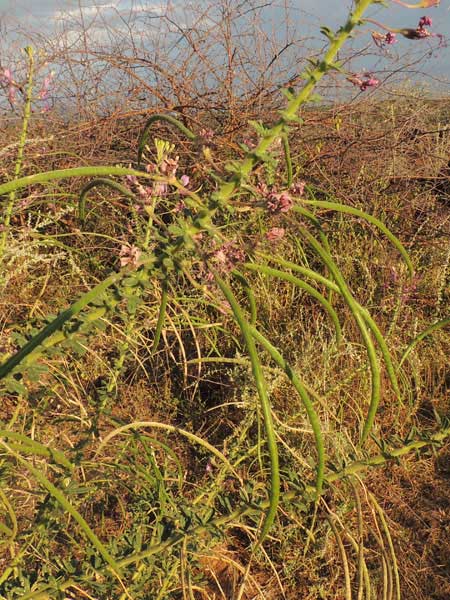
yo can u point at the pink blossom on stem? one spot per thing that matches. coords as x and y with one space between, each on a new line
8 79
184 180
369 82
298 188
207 134
425 22
145 192
279 202
382 40
228 256
132 179
160 188
169 166
416 34
129 255
46 85
390 38
363 84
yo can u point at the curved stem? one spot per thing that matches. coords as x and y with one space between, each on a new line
96 183
306 287
261 387
308 405
161 117
47 176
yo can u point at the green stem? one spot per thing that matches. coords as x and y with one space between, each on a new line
288 159
227 189
301 390
368 342
57 324
161 317
421 336
20 151
336 206
261 387
161 117
67 506
96 183
17 184
304 286
252 508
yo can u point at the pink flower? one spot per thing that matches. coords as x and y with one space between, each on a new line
415 34
207 134
184 180
144 192
169 166
298 188
369 82
161 188
228 256
390 38
425 22
279 202
251 144
386 39
45 88
129 255
275 234
363 84
8 79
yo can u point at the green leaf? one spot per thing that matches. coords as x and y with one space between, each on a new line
16 387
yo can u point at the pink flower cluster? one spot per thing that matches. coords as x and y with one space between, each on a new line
228 256
363 84
207 134
382 40
44 93
279 203
129 255
169 166
421 30
425 22
144 193
159 188
298 188
7 79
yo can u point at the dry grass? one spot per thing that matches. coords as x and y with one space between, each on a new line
388 158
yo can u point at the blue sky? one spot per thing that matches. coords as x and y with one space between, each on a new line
42 16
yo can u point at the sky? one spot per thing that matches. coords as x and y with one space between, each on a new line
46 16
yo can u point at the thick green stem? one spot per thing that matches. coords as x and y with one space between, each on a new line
17 184
228 188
